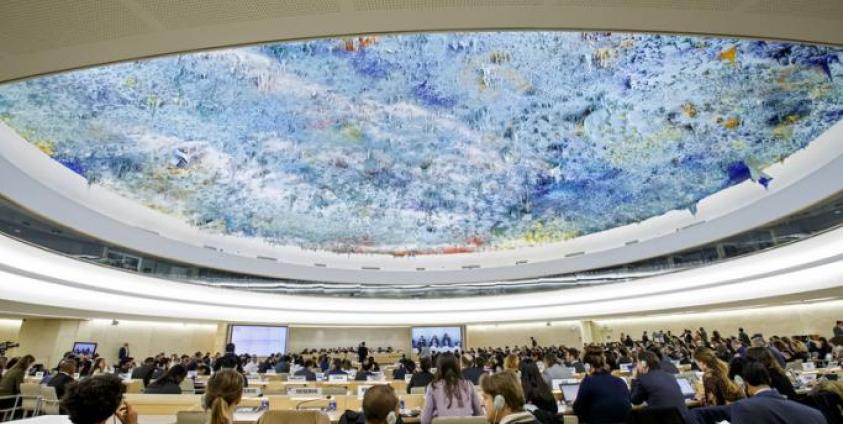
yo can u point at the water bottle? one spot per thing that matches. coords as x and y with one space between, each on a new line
332 405
401 408
264 404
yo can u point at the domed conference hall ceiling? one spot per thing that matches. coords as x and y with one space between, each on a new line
434 143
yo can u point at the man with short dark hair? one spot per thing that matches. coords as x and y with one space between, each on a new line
838 329
653 385
95 399
362 352
766 406
144 372
64 377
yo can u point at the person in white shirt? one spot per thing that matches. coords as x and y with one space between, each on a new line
251 366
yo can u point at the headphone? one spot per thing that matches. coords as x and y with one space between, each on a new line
498 403
391 418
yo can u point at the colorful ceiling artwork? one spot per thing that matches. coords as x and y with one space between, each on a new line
434 143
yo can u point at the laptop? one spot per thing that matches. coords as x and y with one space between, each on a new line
687 388
569 392
627 367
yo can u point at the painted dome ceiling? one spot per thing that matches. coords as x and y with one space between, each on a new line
434 143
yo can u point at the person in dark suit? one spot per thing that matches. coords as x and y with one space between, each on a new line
283 366
64 377
423 377
652 385
472 370
144 372
365 372
169 383
124 352
362 352
308 374
229 360
602 398
766 406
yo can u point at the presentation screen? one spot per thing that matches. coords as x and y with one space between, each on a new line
84 348
438 339
261 340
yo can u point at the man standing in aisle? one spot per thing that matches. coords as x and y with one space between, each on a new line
362 352
124 353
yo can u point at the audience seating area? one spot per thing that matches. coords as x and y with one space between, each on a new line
812 368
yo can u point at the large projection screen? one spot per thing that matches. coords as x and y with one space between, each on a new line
260 340
437 339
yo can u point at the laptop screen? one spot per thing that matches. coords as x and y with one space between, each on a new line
569 391
686 387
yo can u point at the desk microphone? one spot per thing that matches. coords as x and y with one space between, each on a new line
298 405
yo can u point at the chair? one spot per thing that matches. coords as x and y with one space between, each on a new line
187 387
133 386
191 417
49 401
294 417
9 412
652 415
460 420
30 394
417 390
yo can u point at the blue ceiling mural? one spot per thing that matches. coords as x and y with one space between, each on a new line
434 143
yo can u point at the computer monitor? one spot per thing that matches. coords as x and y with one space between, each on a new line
84 348
627 367
569 392
686 387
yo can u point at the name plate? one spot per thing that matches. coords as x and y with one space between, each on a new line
305 391
297 379
408 377
361 391
338 378
375 378
39 374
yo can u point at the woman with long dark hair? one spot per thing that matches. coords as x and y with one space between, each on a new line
536 390
450 395
778 378
169 383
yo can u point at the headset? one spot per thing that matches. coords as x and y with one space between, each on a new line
498 403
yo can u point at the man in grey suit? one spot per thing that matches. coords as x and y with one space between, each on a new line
553 370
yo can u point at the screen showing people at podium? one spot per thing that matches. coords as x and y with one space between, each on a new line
436 339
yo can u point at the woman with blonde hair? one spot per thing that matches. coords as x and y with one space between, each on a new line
222 395
511 362
718 389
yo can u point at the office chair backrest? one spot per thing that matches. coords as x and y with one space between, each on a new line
460 420
294 417
191 417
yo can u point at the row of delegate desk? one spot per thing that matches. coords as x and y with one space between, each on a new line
162 409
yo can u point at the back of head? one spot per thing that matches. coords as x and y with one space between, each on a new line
596 360
378 402
94 399
448 374
425 364
650 359
68 366
174 375
225 388
507 385
550 360
229 348
755 374
24 362
757 340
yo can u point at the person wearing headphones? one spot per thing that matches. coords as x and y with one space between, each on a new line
504 399
380 405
